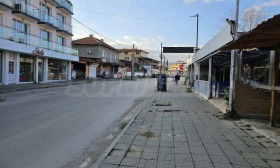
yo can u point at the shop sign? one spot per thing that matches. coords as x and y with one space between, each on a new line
37 51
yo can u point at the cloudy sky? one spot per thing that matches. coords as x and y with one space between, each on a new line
147 23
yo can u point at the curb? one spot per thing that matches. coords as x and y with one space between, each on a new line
268 134
102 157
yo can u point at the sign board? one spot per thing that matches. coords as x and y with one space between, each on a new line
178 49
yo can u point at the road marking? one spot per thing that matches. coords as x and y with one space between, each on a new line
110 137
86 163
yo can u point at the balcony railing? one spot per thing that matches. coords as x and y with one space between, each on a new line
26 8
65 27
9 3
25 38
45 17
66 5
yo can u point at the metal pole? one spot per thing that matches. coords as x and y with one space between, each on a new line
197 16
164 64
160 58
233 62
132 62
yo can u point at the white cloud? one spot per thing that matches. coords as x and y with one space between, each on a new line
271 3
204 1
190 1
151 45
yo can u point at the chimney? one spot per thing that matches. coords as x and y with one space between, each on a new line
90 35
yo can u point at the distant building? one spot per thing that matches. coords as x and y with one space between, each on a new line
126 54
35 41
97 58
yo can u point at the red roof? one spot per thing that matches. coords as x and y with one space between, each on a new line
131 50
93 42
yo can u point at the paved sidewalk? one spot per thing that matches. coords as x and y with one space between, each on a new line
31 86
178 129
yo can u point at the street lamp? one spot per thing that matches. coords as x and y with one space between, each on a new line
197 16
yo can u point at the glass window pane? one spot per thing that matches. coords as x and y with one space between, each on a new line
26 69
40 69
57 69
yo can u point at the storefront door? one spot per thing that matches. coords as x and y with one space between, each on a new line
40 69
92 71
11 71
26 68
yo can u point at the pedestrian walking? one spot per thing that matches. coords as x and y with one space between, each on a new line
177 78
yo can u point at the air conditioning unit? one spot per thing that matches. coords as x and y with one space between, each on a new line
18 7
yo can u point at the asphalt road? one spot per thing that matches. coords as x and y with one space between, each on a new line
48 128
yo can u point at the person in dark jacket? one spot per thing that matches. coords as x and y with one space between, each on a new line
177 78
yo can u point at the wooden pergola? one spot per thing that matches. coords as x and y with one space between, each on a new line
265 36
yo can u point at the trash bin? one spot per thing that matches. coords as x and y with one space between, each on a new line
161 79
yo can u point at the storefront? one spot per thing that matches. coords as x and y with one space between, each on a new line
1 66
57 70
26 68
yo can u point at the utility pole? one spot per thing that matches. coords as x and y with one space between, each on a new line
167 66
197 18
164 64
233 62
160 58
132 62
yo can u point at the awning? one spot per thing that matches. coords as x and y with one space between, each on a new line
265 36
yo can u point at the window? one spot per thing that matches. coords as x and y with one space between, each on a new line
126 53
126 58
60 40
20 30
45 38
1 18
44 35
57 69
45 13
137 52
61 20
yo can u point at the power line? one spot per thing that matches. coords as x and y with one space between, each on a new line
131 17
99 33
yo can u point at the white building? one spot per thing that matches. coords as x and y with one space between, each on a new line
35 41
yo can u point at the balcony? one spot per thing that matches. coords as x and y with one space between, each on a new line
48 21
65 6
26 11
54 2
65 28
29 39
7 5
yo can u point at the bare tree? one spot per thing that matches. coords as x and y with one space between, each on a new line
248 19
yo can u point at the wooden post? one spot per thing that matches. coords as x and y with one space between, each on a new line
274 92
210 78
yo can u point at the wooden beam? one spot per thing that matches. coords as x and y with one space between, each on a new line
274 83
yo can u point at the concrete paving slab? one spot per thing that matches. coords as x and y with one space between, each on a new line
186 133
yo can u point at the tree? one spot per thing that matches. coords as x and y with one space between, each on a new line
248 19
